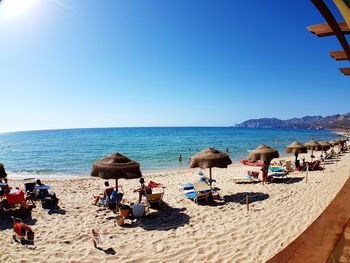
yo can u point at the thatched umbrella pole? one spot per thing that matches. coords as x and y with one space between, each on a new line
210 180
313 146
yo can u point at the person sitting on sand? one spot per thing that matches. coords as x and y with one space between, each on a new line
22 231
106 193
143 189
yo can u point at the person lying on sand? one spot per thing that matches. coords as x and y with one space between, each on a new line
23 232
106 193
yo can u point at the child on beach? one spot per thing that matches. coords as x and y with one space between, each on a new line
23 232
143 189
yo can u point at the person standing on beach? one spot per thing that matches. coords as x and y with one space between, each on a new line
143 189
264 171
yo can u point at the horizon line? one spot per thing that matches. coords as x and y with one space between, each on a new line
140 127
118 127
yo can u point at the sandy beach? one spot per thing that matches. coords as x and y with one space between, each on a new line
181 231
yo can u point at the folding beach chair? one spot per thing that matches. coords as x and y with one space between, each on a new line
202 191
156 197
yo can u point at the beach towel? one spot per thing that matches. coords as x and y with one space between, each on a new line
152 184
276 168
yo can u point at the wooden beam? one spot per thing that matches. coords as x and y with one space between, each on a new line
338 55
323 9
345 71
324 30
318 241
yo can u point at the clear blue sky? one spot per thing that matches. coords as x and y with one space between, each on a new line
112 63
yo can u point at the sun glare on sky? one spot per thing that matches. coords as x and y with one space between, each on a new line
15 9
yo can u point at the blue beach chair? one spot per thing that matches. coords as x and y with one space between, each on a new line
201 191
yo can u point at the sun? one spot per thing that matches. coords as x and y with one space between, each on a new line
13 9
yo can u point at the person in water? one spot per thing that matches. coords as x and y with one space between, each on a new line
180 158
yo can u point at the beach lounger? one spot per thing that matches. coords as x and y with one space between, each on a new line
30 190
15 203
185 188
154 194
284 173
202 191
251 163
156 197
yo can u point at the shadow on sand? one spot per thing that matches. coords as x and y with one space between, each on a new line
6 221
164 219
240 198
56 211
108 251
287 180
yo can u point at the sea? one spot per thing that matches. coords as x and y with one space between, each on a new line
71 152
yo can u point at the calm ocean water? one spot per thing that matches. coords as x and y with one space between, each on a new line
72 152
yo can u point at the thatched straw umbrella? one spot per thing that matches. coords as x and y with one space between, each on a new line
333 143
3 174
209 158
313 146
325 146
116 166
296 148
265 154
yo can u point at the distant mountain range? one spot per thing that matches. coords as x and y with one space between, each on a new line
334 122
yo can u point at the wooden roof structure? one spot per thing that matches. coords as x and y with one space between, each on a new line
333 28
